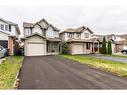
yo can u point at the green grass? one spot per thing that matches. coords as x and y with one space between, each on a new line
109 66
9 70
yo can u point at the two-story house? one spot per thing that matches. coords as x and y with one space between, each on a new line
9 34
80 40
40 38
117 41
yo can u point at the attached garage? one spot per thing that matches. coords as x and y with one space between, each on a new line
35 45
4 43
35 49
77 48
4 39
80 48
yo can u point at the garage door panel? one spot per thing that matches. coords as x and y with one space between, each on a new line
35 49
77 49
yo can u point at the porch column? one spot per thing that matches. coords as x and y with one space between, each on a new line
93 47
98 47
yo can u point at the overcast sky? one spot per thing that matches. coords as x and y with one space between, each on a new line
100 19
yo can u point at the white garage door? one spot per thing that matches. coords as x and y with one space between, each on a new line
35 49
77 49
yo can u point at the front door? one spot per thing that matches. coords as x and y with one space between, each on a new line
52 47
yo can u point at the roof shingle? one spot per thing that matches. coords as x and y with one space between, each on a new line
26 24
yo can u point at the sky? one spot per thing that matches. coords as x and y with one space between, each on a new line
100 19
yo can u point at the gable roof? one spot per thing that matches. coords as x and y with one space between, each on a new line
77 30
8 22
54 28
49 39
44 21
42 26
26 37
28 25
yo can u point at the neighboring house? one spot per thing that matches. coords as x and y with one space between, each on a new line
40 38
118 42
80 40
9 34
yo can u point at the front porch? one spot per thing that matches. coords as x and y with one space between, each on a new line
53 48
95 47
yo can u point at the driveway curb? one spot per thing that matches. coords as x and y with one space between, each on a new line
16 83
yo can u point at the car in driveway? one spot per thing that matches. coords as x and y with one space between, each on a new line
3 52
124 51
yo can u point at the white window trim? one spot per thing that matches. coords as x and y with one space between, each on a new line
86 35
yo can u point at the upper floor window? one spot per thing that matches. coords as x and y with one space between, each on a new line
7 27
70 35
86 35
56 33
78 35
2 27
28 31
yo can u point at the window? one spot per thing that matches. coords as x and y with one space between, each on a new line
28 31
87 45
7 27
56 34
72 35
78 35
10 28
86 35
2 27
69 35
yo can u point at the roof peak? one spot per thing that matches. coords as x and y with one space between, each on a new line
9 22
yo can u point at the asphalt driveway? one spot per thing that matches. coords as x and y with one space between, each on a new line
112 58
54 72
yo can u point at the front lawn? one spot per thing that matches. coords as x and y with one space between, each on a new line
9 70
109 66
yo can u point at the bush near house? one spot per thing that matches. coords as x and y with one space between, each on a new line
65 47
109 49
103 46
